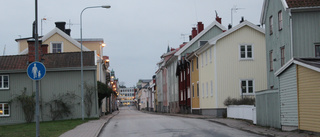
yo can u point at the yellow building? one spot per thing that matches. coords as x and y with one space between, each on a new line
232 64
195 104
59 40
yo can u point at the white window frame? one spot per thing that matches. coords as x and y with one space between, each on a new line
2 105
203 90
210 55
207 89
247 89
211 88
56 42
246 52
2 82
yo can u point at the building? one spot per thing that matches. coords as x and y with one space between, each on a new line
61 82
292 31
232 64
126 96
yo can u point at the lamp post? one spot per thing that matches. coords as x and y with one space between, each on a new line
82 96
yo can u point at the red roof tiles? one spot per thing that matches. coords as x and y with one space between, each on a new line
302 3
52 60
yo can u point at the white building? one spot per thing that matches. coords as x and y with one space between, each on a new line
126 96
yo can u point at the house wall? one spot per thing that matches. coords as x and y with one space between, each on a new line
53 84
22 44
173 86
276 40
159 90
194 79
288 99
67 45
308 101
306 33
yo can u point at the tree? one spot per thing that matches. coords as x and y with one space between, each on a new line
103 91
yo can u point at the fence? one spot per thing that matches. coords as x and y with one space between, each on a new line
247 112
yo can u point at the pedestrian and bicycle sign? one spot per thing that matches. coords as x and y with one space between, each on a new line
36 70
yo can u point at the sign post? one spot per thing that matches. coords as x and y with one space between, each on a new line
36 71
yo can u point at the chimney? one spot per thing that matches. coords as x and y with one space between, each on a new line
61 26
218 19
68 31
242 19
154 78
229 26
44 48
200 27
31 50
194 32
190 37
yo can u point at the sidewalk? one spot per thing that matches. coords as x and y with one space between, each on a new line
242 125
91 128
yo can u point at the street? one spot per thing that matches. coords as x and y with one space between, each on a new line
133 123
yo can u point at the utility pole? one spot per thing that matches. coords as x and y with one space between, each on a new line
36 59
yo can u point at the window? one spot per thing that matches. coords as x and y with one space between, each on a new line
192 65
197 63
188 90
192 90
4 81
271 60
317 51
202 89
282 56
181 76
198 89
280 24
271 25
4 109
181 95
56 47
247 87
210 55
211 88
246 52
206 57
202 60
201 43
207 89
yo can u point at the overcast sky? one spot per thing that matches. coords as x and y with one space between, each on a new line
137 32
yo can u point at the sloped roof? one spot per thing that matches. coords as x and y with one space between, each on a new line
64 35
310 63
302 3
215 23
52 60
214 40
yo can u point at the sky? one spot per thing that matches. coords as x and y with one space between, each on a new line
136 32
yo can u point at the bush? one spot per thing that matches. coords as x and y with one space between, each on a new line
28 104
241 101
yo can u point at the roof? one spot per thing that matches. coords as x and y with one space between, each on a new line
310 63
215 23
145 80
89 39
302 3
289 4
214 40
64 35
51 60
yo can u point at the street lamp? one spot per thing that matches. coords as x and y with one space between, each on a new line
82 103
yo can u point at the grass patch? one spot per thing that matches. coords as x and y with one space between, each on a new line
47 129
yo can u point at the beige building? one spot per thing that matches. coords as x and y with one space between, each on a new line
232 64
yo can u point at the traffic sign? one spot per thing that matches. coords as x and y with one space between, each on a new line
36 70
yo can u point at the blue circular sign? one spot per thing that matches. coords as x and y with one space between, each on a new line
36 70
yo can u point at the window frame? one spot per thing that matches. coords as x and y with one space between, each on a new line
280 20
193 90
315 50
192 67
271 60
198 89
246 52
56 42
3 109
282 55
197 63
247 86
271 25
2 82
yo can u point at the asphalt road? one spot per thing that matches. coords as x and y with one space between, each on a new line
133 123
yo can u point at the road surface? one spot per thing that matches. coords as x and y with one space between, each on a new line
133 123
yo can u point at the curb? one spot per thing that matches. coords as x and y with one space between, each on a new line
103 125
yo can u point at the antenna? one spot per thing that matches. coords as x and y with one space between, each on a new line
235 10
70 24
